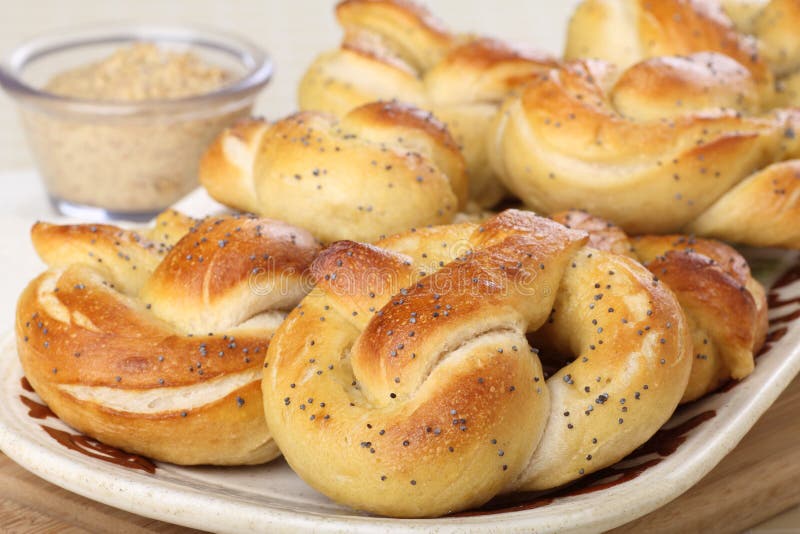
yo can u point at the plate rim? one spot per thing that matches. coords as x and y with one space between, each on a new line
169 501
162 500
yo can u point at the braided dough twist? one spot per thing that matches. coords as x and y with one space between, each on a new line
725 306
665 146
404 384
760 34
394 49
381 169
153 342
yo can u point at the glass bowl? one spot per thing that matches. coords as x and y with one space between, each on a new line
126 159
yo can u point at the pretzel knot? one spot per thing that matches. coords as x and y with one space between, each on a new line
395 49
382 168
404 383
668 145
762 36
153 342
726 308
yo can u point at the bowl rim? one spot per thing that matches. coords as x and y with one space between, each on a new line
257 62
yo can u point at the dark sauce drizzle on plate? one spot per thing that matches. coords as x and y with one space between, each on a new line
662 444
82 444
95 449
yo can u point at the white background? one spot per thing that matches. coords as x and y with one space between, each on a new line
293 31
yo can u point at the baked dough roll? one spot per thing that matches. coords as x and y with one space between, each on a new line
761 35
381 169
626 32
404 384
670 145
725 306
396 50
154 341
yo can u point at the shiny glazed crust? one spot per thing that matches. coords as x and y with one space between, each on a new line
381 169
404 384
725 306
153 341
762 36
626 32
666 146
395 50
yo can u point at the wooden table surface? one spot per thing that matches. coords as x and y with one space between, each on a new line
756 481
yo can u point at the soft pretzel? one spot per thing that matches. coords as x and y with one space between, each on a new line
665 146
761 35
153 342
626 32
400 28
393 49
726 308
404 384
383 168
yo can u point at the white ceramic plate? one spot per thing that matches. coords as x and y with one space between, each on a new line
271 498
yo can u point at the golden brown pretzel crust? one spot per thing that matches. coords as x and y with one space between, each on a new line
762 36
382 168
628 149
666 87
405 29
403 384
725 306
153 342
739 215
626 32
393 50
